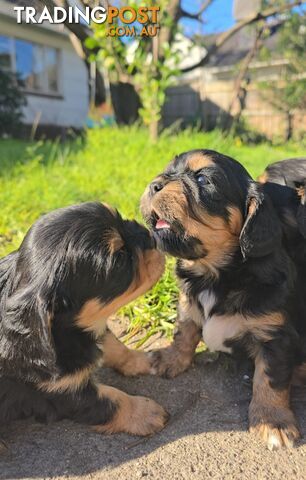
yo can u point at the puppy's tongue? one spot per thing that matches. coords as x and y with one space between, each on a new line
162 224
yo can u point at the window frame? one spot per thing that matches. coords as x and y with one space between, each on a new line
45 91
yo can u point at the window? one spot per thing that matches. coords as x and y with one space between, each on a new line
37 66
5 53
29 65
51 60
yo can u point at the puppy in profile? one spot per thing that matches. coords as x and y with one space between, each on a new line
75 268
242 269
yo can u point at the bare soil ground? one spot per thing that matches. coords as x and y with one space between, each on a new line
206 438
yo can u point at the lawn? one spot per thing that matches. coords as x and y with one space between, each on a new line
112 165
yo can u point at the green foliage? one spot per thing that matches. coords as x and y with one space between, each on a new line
112 165
156 311
152 78
149 66
292 44
11 101
291 93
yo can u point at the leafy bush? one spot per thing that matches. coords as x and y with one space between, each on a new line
11 102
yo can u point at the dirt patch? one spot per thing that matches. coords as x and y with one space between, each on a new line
206 438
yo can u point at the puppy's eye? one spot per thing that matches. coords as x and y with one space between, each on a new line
202 180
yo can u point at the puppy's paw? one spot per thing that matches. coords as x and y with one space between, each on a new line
168 362
147 417
137 363
137 416
276 438
276 426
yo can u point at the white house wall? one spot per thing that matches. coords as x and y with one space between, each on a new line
70 107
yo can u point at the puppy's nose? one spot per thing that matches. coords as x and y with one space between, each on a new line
156 187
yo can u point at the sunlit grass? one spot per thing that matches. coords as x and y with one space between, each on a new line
112 165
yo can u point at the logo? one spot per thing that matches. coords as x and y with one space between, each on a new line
120 21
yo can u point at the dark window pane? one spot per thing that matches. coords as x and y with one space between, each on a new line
5 54
29 64
51 65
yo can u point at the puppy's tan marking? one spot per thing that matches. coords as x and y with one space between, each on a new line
263 178
217 237
94 314
110 208
174 187
198 267
263 327
270 415
114 241
252 207
71 383
235 220
196 161
151 268
170 202
301 193
135 415
118 356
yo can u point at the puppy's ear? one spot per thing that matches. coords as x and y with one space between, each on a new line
26 345
261 231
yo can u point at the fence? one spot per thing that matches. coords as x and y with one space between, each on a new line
208 103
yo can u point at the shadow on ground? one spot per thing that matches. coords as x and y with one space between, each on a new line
206 437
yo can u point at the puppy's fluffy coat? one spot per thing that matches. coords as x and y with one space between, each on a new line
75 267
242 268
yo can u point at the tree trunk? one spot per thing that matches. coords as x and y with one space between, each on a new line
153 130
240 90
288 131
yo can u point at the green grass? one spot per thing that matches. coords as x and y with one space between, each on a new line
112 165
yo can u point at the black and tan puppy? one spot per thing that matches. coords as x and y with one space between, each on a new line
75 267
242 269
290 172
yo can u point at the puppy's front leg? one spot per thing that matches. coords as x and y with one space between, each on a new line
131 414
116 355
175 359
270 415
125 360
109 410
